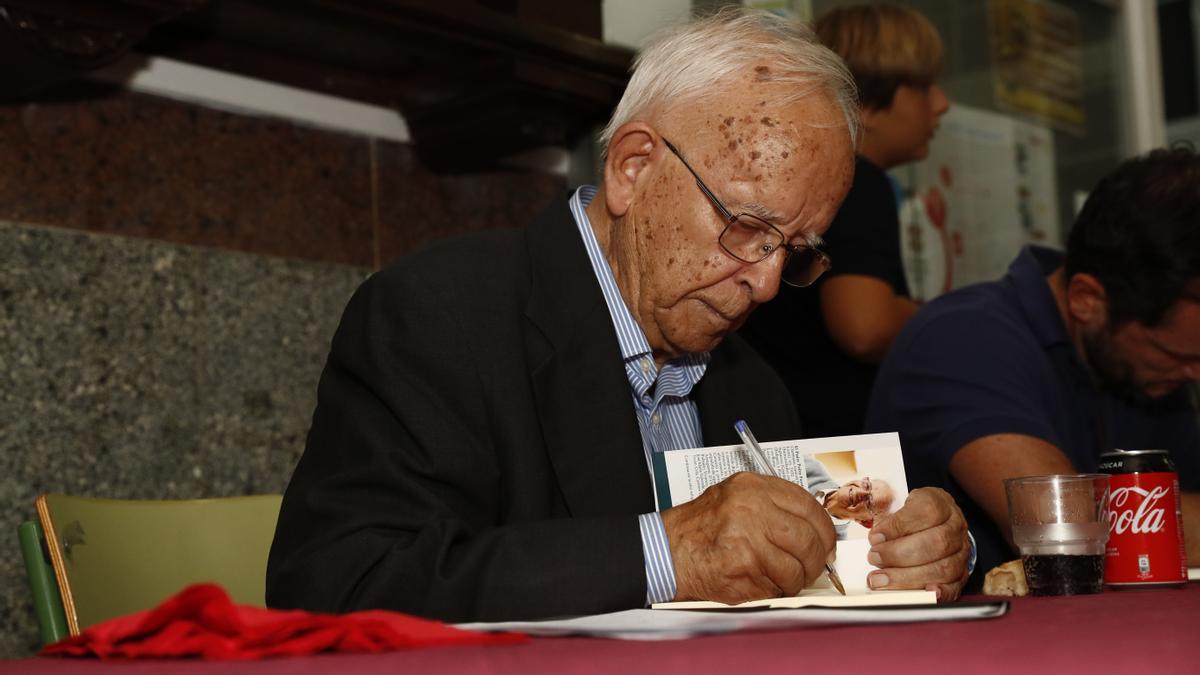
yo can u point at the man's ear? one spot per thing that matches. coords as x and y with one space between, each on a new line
1087 301
629 153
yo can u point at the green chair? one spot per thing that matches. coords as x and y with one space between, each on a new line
108 557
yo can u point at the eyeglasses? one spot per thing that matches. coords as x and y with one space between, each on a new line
751 239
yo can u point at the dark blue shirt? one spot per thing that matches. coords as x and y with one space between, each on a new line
995 358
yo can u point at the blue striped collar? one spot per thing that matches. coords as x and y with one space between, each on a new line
635 349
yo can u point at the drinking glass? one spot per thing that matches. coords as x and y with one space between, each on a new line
1060 527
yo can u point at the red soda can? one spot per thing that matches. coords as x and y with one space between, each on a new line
1145 526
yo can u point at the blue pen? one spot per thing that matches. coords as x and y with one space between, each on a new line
759 456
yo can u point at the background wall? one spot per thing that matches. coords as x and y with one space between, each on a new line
170 278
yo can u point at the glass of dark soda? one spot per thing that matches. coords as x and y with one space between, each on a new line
1060 527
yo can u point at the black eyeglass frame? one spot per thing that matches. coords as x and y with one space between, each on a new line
818 264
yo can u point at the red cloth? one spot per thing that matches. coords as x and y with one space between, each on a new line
201 621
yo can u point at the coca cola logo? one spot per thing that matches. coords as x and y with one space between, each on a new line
1141 517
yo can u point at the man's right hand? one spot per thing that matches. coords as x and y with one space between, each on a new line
748 537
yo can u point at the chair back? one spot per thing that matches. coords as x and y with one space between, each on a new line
116 556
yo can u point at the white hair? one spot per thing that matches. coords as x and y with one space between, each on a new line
689 61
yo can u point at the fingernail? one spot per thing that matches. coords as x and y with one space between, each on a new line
877 580
874 558
876 538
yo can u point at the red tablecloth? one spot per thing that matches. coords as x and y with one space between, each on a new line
1122 631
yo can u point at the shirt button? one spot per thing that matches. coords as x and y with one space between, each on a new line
645 365
656 418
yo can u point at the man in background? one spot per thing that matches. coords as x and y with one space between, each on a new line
1064 358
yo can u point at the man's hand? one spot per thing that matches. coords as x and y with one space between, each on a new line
922 545
748 537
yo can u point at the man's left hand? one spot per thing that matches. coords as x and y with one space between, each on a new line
922 545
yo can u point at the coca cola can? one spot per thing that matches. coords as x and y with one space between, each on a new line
1145 520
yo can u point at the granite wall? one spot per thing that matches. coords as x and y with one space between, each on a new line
170 277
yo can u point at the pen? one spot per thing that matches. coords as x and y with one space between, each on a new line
756 451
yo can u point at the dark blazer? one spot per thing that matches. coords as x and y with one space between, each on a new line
474 454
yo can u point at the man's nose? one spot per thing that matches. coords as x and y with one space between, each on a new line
763 277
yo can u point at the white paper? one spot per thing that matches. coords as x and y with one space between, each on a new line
657 624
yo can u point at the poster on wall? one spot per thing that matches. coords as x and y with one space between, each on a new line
1037 60
987 188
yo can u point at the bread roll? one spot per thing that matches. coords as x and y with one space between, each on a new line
1007 579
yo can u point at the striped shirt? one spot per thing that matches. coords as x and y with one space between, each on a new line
667 418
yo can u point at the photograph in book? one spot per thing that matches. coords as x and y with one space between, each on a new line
856 478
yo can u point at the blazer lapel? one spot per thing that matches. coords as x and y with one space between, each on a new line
580 389
717 397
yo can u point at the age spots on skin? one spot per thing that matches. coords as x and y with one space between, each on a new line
762 73
767 121
785 154
755 155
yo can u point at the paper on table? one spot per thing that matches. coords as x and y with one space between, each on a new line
653 624
1194 574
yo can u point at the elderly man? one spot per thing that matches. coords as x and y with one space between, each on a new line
1064 358
484 422
861 500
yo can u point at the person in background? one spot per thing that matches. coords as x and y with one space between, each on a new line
827 341
1064 358
485 422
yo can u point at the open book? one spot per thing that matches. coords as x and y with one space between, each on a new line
856 477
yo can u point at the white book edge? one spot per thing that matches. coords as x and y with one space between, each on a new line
822 599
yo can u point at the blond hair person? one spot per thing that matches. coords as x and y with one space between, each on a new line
839 331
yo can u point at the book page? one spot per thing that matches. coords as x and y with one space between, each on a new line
858 478
818 599
691 472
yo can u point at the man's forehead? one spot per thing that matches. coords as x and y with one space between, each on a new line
1179 330
790 121
1187 307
